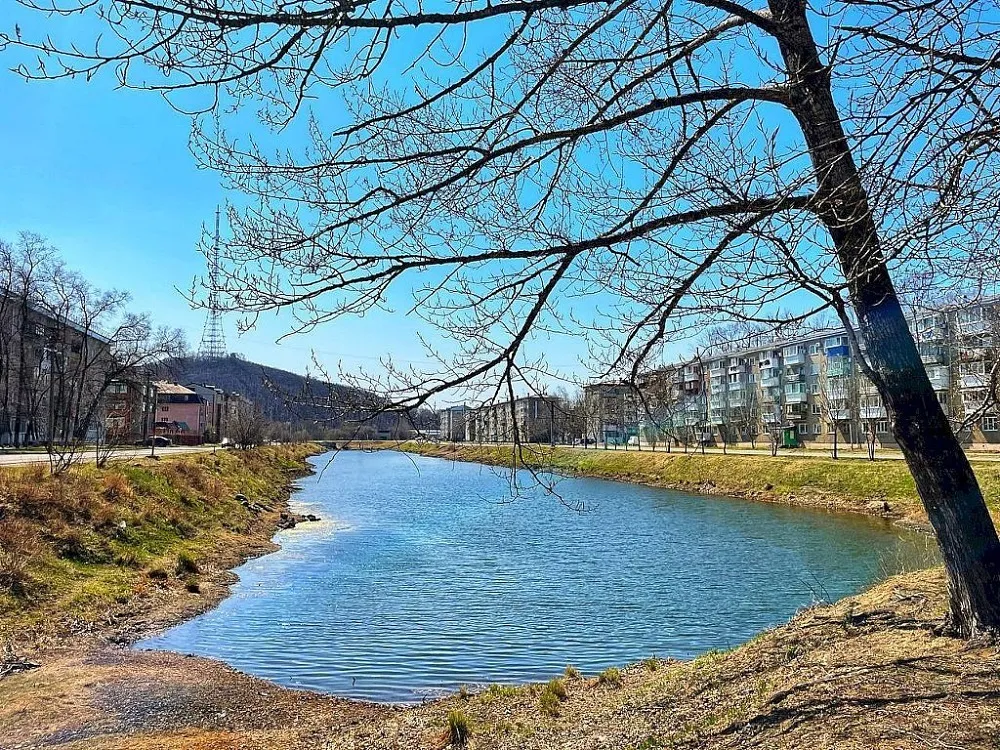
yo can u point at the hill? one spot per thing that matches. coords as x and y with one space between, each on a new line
283 396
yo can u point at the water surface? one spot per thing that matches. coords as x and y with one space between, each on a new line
424 575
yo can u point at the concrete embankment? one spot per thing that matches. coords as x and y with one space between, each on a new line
883 488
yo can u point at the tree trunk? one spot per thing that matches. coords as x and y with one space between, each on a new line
944 478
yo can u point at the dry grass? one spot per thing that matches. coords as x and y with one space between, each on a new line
75 547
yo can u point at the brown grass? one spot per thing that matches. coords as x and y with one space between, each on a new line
77 547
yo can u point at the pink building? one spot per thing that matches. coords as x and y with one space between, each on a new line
179 414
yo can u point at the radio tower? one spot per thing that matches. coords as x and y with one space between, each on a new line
213 340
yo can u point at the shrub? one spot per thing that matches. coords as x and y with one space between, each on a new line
552 695
557 688
193 586
499 691
571 672
611 676
652 663
186 564
549 703
459 729
18 545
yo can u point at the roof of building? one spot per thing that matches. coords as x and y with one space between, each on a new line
176 388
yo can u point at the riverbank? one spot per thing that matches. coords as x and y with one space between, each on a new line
868 672
880 488
112 553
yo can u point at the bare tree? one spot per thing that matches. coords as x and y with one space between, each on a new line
839 397
248 427
824 162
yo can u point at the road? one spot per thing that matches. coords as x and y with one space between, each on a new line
24 459
882 454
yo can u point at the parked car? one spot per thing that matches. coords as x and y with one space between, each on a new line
159 441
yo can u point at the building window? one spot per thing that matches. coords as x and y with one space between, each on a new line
816 409
816 348
817 429
882 427
164 408
991 424
814 389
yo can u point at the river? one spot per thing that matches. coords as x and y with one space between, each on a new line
425 575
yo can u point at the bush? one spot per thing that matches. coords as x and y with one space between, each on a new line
571 672
557 688
611 676
552 695
18 545
186 564
459 729
549 703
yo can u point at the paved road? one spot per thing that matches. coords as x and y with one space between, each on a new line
882 454
23 459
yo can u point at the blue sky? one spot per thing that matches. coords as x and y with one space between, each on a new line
107 177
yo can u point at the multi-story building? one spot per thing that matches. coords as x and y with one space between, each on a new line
52 375
179 413
531 419
128 410
452 423
810 389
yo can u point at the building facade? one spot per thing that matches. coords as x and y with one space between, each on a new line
809 390
453 423
529 419
52 376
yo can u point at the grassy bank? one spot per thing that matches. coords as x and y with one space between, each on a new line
107 550
881 487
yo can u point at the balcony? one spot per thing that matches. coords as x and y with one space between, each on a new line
717 419
735 387
771 418
691 377
796 397
794 358
838 369
976 380
772 382
872 412
940 378
733 369
840 415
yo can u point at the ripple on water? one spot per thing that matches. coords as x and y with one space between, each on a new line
419 579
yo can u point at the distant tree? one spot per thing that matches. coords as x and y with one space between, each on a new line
247 425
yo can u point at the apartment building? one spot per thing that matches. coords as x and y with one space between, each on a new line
52 372
537 419
810 390
452 423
